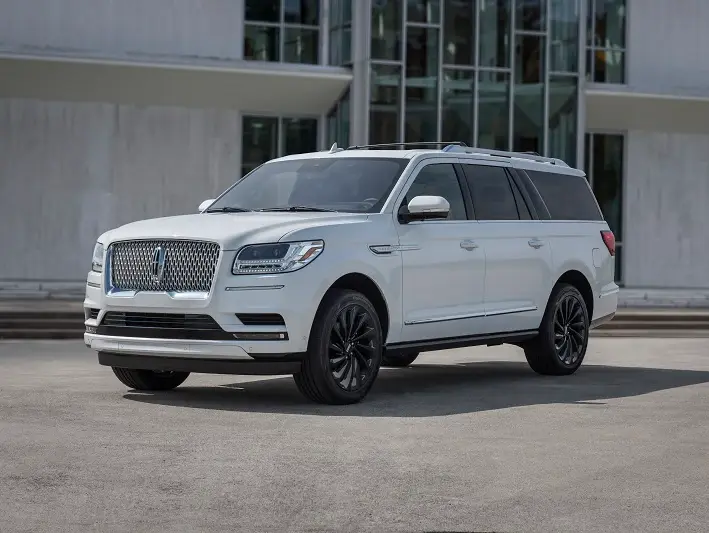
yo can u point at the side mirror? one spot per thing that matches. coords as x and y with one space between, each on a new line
204 205
425 208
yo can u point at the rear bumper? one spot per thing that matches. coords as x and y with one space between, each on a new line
267 366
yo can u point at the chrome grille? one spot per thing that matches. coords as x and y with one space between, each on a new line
187 266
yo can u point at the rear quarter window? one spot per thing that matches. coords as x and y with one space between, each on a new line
567 196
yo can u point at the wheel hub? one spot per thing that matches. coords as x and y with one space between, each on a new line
352 348
570 330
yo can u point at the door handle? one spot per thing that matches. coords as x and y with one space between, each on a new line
468 245
535 243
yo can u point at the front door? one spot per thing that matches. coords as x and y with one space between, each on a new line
443 262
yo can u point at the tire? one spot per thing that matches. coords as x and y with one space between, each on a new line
149 380
560 347
399 360
338 368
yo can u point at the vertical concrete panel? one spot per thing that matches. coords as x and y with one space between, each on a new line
69 171
666 238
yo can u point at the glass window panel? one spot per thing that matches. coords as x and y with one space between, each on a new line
458 105
386 30
262 10
384 106
439 180
493 110
301 46
609 20
564 35
495 33
528 135
427 11
459 32
259 140
261 43
300 135
608 66
608 179
421 84
493 198
562 118
302 12
530 15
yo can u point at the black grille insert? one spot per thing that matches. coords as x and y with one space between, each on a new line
261 319
91 314
162 325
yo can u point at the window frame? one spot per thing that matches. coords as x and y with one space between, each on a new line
510 182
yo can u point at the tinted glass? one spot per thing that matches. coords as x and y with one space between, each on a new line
522 208
355 185
567 197
301 46
261 43
439 180
492 194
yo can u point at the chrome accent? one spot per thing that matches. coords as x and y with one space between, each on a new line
172 266
468 245
386 249
470 315
535 243
255 288
93 284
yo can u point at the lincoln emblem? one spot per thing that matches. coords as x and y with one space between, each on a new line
158 265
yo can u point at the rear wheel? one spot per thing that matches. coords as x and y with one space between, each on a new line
344 352
399 360
149 380
560 347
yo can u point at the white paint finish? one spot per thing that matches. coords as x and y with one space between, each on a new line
69 172
667 46
666 243
189 28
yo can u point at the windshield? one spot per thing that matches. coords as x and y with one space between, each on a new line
358 185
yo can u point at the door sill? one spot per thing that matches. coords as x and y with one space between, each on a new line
449 343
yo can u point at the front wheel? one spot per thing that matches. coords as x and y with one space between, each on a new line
344 351
149 380
560 347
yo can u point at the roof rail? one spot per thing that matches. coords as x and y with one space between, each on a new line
531 156
412 144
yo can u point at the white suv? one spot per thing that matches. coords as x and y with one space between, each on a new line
328 265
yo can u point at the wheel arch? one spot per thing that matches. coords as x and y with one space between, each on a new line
580 281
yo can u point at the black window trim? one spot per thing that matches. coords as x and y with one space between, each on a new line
527 188
517 193
510 175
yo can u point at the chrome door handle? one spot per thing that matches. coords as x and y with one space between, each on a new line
468 245
535 243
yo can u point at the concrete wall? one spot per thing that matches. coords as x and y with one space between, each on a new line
69 171
205 28
666 236
667 46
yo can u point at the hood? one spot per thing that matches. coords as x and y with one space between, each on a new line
230 230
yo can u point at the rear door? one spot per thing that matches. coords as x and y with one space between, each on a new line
518 254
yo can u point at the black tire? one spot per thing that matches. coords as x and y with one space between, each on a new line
560 347
344 350
399 360
149 380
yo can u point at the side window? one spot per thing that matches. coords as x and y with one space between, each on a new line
522 208
492 195
439 179
568 197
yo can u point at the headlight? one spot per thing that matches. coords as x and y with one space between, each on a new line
97 260
276 258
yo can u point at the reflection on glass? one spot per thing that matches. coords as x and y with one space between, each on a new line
529 94
384 108
458 106
261 43
609 20
305 12
259 141
300 46
564 44
426 11
607 168
562 118
608 66
421 84
262 10
493 110
459 32
530 14
300 135
386 30
495 33
340 52
338 122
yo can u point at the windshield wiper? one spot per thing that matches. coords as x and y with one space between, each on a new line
228 210
301 208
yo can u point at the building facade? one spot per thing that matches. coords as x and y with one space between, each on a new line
117 110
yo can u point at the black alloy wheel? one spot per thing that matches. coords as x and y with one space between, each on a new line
351 350
570 330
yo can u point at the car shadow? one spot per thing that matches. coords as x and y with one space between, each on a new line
425 390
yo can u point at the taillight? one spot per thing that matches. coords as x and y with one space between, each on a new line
609 239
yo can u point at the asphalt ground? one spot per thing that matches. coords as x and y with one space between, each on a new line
464 440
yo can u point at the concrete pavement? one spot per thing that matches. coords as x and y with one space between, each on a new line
464 440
